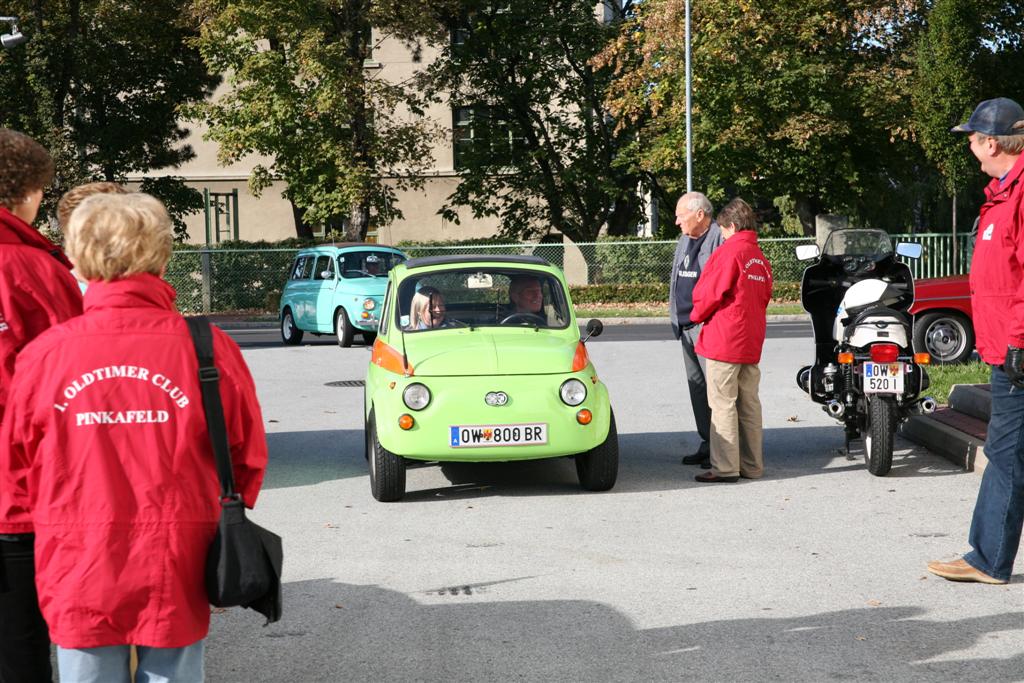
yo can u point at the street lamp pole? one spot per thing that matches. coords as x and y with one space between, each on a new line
689 140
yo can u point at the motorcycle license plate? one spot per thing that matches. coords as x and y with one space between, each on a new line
883 378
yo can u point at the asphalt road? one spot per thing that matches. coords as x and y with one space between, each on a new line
271 337
510 572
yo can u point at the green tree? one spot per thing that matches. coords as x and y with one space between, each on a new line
946 85
341 137
99 83
807 99
535 144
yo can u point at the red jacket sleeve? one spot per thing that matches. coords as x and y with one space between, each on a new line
1016 331
18 438
714 283
242 417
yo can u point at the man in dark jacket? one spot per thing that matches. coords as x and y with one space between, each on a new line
700 236
996 133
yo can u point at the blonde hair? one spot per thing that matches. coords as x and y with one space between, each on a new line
76 195
420 304
116 235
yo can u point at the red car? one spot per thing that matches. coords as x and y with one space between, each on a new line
942 318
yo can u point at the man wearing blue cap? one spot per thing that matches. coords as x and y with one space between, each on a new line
996 133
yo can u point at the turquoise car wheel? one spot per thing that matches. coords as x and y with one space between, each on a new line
290 334
343 328
598 468
387 470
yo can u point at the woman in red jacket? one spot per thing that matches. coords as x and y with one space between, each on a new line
36 291
109 460
731 298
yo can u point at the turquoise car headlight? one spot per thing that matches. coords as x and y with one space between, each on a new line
416 396
573 392
369 304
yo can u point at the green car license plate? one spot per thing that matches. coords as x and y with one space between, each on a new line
481 436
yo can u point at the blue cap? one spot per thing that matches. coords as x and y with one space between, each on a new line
994 117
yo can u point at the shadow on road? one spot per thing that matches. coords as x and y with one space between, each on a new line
647 462
342 632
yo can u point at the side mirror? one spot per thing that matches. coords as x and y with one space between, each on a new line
327 275
806 252
909 249
594 329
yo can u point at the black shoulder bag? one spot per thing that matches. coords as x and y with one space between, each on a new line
243 564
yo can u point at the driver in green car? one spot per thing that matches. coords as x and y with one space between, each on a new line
526 297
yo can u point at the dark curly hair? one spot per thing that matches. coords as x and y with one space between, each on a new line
25 166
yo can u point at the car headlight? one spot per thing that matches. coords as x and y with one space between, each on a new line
573 392
416 396
369 304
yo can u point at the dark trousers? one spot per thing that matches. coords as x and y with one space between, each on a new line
696 379
24 639
999 512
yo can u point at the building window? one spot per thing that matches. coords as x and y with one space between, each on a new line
483 137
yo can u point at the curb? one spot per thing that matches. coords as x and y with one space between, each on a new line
660 320
972 399
956 446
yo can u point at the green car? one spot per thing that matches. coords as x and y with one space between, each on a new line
479 359
336 289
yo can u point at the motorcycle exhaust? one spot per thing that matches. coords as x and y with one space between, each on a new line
835 408
928 405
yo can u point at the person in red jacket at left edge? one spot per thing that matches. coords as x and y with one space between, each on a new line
105 454
37 291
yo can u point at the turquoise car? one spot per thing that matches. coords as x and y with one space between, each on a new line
336 289
480 359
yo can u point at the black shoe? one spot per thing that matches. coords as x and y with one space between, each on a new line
706 464
696 459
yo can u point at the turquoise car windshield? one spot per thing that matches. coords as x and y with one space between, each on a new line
368 263
481 298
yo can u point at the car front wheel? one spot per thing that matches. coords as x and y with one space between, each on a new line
290 334
343 328
598 468
947 336
387 470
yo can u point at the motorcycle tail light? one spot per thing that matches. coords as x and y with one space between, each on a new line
885 353
923 358
845 358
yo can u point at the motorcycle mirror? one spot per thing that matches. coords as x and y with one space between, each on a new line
806 252
909 249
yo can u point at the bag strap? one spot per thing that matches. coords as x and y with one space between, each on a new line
209 382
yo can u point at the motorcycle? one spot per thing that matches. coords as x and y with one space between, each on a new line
865 372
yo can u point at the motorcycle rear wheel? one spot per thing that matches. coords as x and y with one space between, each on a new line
879 435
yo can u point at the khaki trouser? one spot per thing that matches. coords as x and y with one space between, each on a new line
736 429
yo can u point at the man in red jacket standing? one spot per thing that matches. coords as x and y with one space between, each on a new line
731 298
37 291
996 134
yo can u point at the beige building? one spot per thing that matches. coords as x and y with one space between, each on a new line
233 211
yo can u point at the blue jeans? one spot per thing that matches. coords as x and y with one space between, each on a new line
999 512
111 664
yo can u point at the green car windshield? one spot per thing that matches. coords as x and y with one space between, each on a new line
481 298
355 264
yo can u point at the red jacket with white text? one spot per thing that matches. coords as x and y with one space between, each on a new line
105 455
997 268
37 290
731 298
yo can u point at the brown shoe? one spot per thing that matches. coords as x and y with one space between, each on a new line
959 570
712 478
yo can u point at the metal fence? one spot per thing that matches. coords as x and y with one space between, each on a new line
220 280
